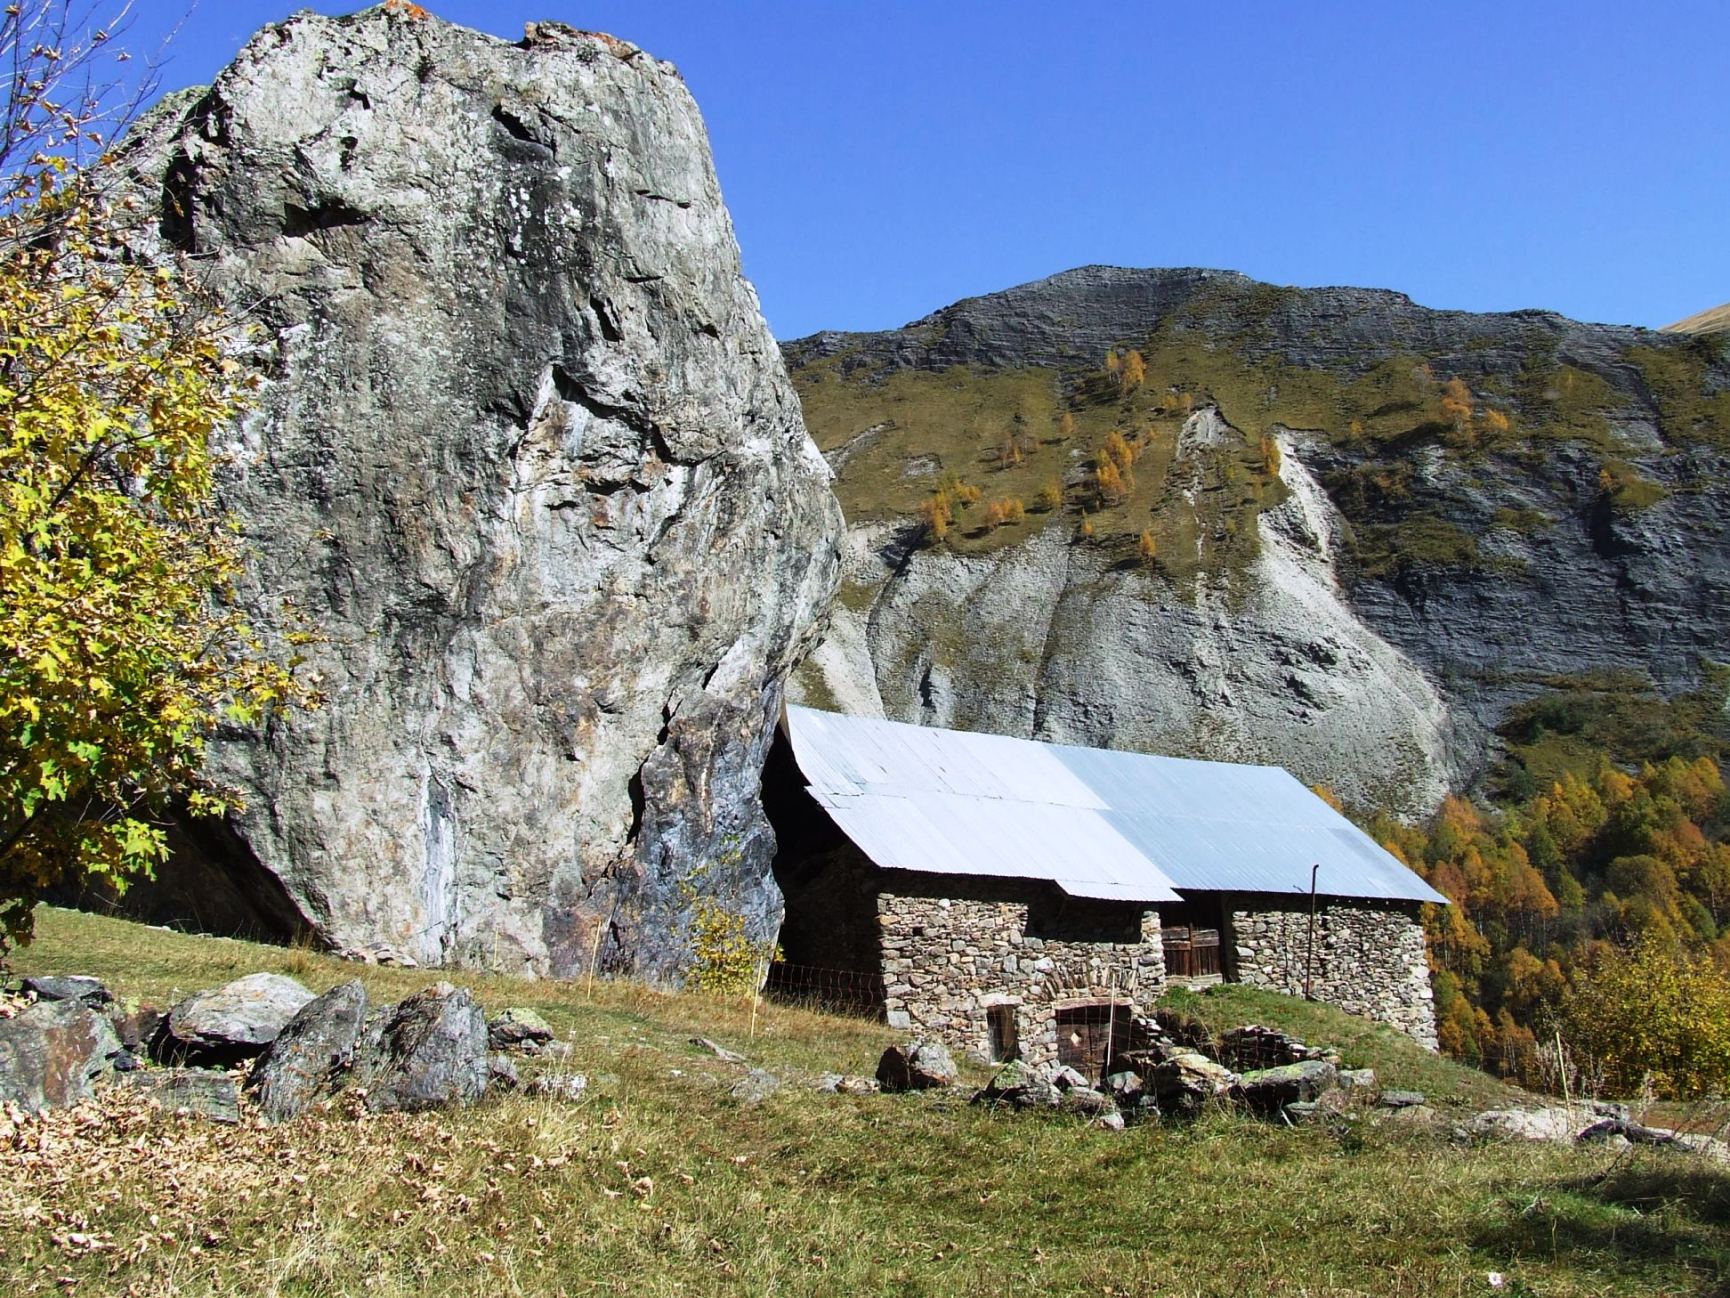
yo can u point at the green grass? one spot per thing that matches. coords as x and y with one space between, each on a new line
661 1184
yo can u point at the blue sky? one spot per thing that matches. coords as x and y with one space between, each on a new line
884 159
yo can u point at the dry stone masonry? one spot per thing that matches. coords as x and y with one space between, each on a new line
949 960
1367 960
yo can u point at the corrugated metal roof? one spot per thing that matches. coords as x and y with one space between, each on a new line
1094 821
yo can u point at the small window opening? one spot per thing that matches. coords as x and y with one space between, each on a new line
1005 1038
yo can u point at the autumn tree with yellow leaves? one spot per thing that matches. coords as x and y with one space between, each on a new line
118 651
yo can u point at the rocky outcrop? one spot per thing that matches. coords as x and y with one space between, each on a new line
527 462
1365 613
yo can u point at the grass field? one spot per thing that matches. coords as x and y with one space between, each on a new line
659 1182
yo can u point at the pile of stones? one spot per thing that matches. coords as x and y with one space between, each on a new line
1174 1072
262 1044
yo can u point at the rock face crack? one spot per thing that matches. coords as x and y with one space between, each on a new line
523 499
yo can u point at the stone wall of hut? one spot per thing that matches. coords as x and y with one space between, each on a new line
1368 958
954 948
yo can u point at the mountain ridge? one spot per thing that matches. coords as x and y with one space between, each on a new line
1570 522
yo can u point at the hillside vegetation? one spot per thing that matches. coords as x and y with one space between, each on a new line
661 1183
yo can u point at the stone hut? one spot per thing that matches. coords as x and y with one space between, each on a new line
1027 900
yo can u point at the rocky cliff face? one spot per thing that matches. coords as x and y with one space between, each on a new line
528 461
1375 528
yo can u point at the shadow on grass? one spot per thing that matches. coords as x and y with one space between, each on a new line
1646 1207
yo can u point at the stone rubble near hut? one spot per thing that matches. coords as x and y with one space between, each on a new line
264 1045
437 1049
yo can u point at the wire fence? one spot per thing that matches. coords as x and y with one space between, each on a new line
839 991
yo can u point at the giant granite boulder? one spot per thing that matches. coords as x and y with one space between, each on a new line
527 459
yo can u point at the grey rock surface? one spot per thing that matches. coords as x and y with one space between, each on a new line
85 990
196 1092
1397 1099
527 458
52 1054
518 1029
1384 685
432 1053
560 1086
1021 1086
1183 1081
917 1066
312 1054
233 1022
755 1087
1555 1123
1269 1090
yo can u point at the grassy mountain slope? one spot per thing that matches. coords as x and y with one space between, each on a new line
660 1183
1514 502
1715 320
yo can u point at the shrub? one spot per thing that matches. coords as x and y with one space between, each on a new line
1109 483
1147 548
1050 496
724 959
1655 1015
118 654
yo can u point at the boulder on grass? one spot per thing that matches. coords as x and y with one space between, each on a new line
312 1055
228 1024
432 1052
52 1053
1267 1091
1186 1080
196 1092
519 1029
1019 1086
82 988
919 1066
1555 1124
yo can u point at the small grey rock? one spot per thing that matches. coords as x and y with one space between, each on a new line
719 1051
1400 1099
560 1086
1554 1124
918 1066
1268 1091
88 991
518 1029
502 1074
1020 1086
1112 1121
755 1086
1085 1100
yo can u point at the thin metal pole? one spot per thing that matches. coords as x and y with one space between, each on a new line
1110 1027
1310 957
